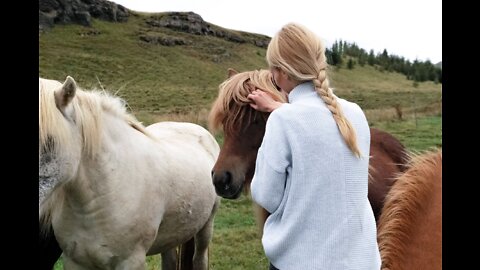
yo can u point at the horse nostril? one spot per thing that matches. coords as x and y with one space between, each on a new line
223 180
227 179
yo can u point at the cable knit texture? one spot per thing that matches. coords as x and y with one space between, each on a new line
315 188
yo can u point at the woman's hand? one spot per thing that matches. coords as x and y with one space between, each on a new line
261 101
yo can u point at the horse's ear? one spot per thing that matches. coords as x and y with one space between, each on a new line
65 94
231 72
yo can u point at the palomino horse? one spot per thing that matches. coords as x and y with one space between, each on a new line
113 191
244 128
410 227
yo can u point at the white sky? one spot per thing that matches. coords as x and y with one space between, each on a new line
407 28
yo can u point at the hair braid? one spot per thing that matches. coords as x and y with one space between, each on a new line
346 129
301 54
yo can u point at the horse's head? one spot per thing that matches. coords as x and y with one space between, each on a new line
72 125
243 129
59 137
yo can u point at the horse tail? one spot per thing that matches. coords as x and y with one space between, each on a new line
185 256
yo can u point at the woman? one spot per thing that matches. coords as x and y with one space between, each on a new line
312 167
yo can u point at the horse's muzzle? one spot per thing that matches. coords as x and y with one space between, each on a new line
225 186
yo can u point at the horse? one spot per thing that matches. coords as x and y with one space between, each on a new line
409 230
113 191
48 247
244 127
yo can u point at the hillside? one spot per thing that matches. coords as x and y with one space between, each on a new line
173 62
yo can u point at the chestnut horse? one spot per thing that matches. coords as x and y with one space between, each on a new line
410 227
244 128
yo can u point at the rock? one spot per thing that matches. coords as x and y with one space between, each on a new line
192 23
53 12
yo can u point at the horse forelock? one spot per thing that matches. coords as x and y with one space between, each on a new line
53 128
232 108
404 203
87 108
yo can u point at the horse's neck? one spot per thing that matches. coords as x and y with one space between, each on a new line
427 231
122 153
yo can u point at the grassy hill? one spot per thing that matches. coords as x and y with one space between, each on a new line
150 77
159 80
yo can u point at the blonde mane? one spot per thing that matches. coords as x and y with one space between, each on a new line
56 134
87 106
232 104
404 203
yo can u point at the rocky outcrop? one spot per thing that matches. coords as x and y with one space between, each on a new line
81 12
193 23
164 40
53 12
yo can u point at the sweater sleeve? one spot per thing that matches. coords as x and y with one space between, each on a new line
273 160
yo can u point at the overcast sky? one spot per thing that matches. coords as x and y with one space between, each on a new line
408 28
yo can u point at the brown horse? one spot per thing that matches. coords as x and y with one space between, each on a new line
244 129
410 226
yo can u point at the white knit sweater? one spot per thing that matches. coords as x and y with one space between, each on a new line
315 188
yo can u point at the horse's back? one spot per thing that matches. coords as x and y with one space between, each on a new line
386 143
185 132
388 159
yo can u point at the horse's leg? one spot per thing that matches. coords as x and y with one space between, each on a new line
187 251
261 216
202 239
169 259
49 249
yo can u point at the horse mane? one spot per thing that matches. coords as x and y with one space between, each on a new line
87 106
404 203
54 130
232 105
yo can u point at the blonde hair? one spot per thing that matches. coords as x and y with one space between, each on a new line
301 54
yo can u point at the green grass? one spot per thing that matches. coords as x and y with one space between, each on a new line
236 242
417 136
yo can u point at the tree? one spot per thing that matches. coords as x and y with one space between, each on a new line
350 63
371 58
362 59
